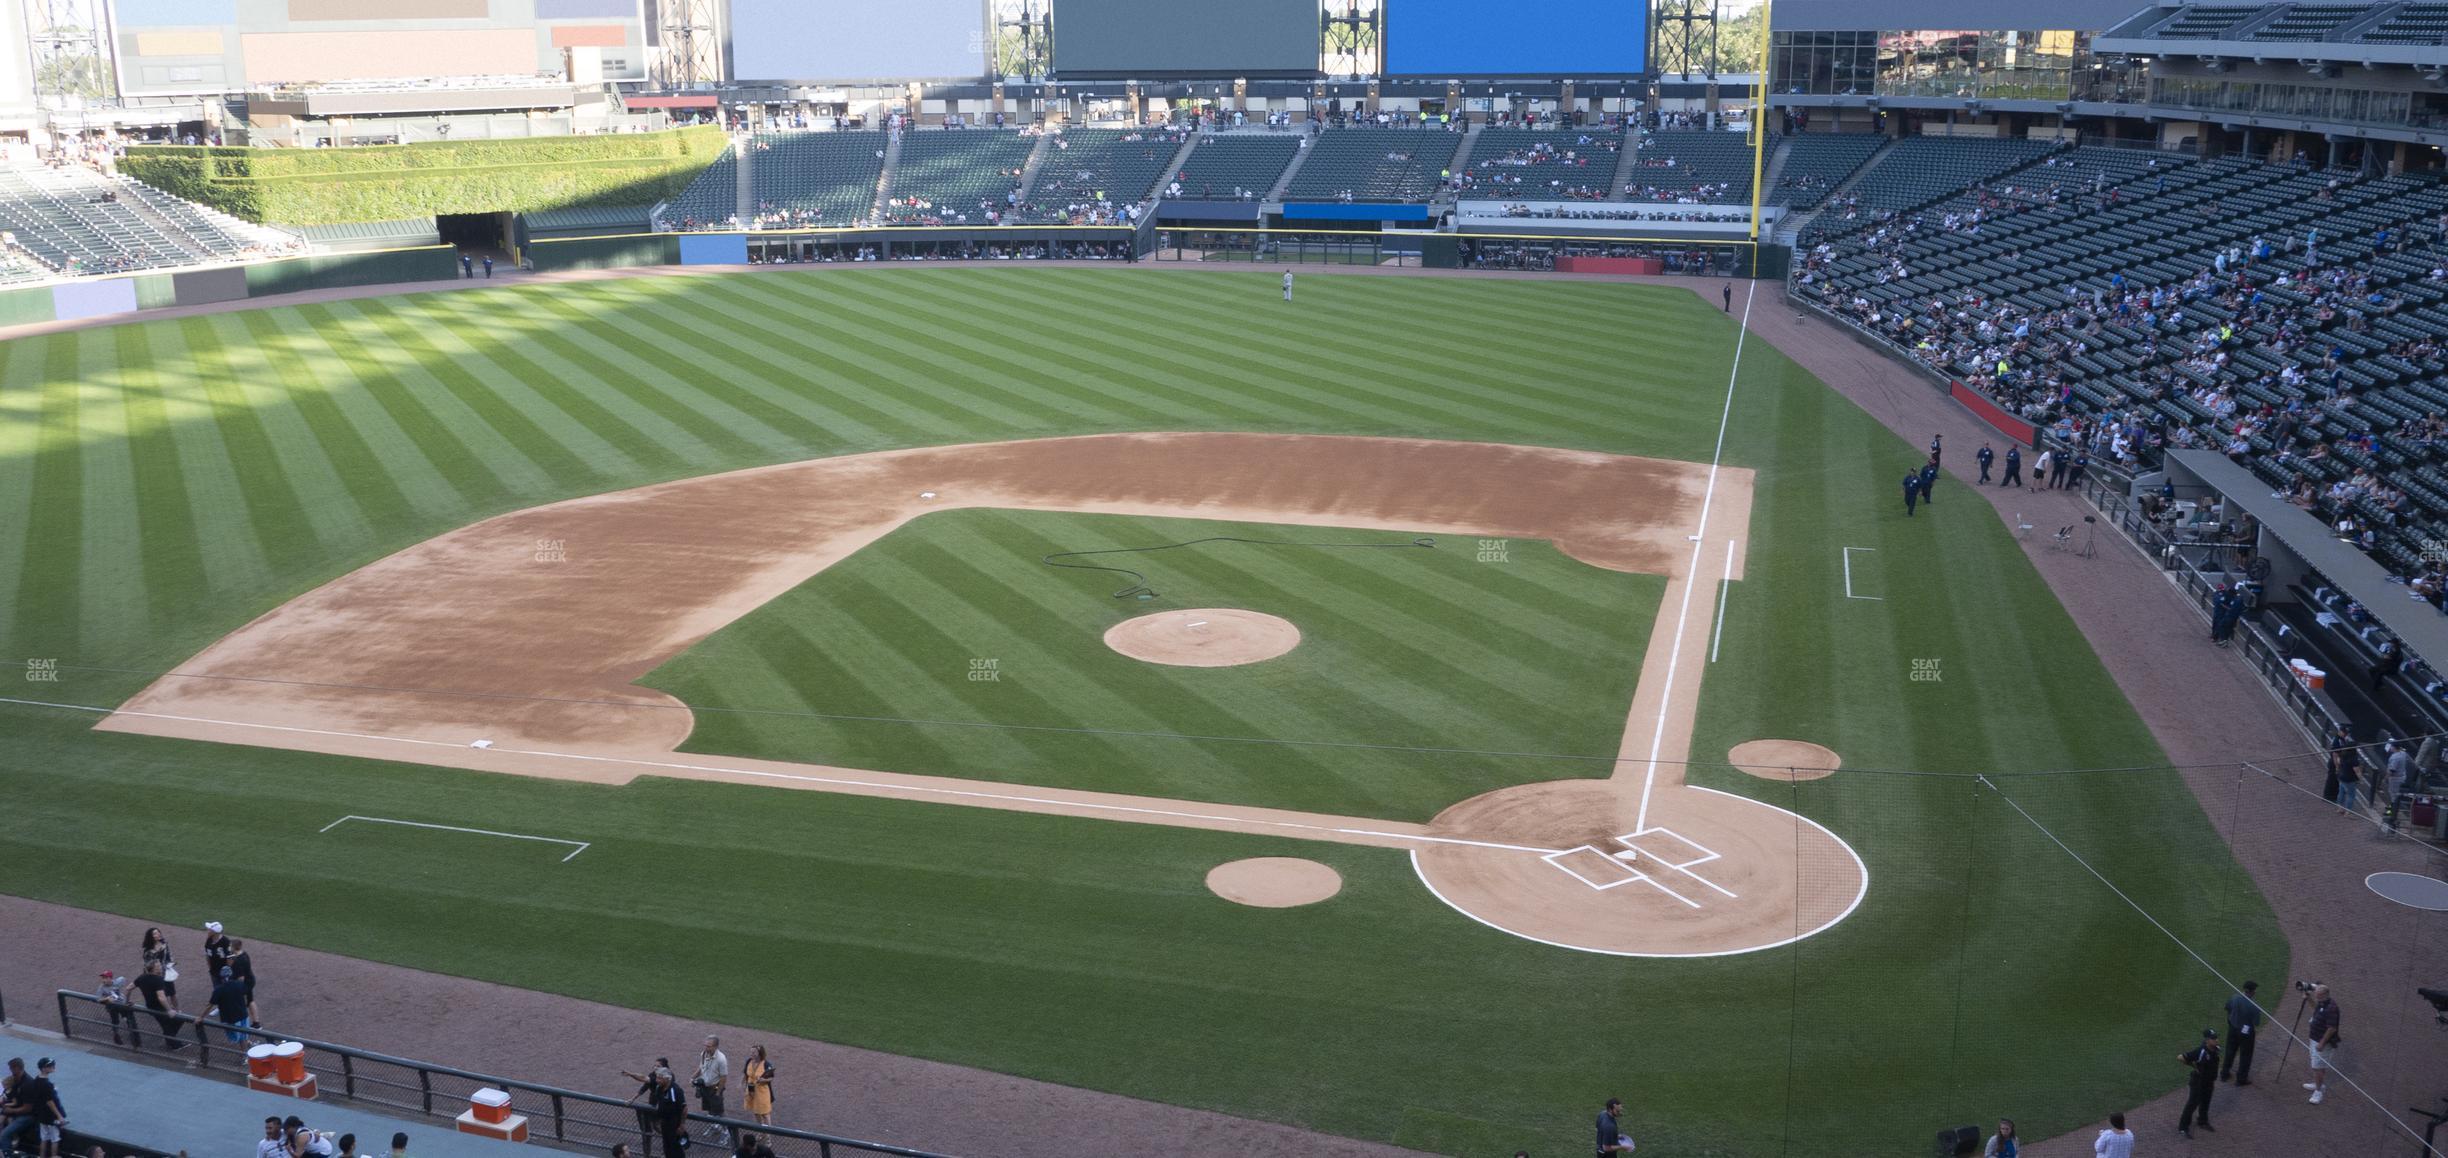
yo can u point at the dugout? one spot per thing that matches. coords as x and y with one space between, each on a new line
2318 598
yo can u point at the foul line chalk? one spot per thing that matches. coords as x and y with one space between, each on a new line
582 845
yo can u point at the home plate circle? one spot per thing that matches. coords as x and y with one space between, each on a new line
1204 637
2413 890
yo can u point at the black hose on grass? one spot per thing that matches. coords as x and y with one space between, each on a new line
1139 589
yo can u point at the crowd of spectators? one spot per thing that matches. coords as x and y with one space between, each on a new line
1578 172
2247 355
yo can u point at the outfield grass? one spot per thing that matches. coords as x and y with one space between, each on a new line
1401 648
162 483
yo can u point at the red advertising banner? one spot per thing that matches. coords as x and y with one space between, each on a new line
1640 265
2007 424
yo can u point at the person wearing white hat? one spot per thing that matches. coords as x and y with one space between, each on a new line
216 950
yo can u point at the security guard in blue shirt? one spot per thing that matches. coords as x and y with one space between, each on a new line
1912 491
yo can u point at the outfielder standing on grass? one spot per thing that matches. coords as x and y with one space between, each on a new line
1287 285
1611 1138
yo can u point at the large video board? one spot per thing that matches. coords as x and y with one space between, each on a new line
825 40
1135 38
1536 38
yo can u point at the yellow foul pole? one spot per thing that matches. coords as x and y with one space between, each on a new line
1759 131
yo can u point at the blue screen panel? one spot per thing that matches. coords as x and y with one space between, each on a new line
1459 38
174 13
1363 211
93 299
713 249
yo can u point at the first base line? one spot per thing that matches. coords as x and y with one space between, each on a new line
582 845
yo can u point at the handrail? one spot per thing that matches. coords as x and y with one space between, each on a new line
2311 713
628 1119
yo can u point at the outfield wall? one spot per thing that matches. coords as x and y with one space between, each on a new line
135 293
109 297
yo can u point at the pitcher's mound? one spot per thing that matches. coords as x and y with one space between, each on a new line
1206 637
1784 760
1274 882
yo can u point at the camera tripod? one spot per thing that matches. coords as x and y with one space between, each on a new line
2437 1117
2303 1001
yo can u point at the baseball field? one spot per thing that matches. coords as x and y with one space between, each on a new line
961 622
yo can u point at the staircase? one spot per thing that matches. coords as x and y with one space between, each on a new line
1462 155
1776 166
892 160
1625 164
1789 230
1300 157
1036 161
741 173
178 235
1181 161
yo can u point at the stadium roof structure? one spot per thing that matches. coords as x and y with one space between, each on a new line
2365 32
2424 630
1879 15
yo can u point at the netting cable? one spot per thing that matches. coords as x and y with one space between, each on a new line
2204 962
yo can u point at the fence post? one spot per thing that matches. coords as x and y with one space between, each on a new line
559 1131
66 1030
425 1083
348 1075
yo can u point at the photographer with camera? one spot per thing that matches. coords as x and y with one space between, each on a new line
2323 1036
713 1076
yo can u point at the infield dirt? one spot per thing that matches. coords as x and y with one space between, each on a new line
512 645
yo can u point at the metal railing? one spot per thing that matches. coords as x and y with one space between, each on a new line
2261 649
568 1119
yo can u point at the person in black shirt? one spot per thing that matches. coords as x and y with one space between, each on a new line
2243 1025
42 1099
242 966
1610 1129
1984 457
2203 1061
671 1113
1912 492
216 949
643 1099
230 1005
163 1002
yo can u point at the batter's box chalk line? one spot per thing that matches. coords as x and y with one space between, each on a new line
1671 852
1615 874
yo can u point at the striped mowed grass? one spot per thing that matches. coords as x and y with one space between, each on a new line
1423 676
162 483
